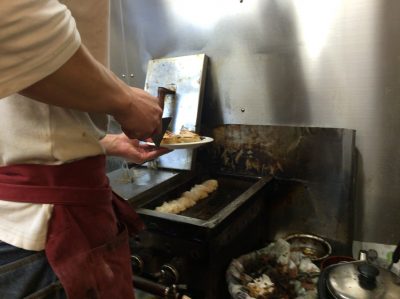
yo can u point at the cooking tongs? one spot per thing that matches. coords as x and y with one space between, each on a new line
162 92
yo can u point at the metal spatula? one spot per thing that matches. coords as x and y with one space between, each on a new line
158 137
161 93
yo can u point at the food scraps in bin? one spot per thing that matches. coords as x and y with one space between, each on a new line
261 285
273 272
189 198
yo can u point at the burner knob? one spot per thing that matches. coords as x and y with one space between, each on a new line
169 274
137 264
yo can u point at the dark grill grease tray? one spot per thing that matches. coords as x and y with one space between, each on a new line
231 194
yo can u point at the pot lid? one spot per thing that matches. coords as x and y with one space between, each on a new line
360 280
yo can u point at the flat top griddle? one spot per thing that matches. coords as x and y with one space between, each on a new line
228 189
232 192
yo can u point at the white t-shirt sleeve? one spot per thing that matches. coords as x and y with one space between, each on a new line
36 38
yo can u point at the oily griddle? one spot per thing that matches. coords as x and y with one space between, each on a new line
229 188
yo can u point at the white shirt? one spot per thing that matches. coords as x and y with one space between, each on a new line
36 38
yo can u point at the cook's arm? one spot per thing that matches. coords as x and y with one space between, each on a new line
83 83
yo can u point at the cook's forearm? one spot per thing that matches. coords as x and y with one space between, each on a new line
82 83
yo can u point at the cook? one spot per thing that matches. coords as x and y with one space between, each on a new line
62 230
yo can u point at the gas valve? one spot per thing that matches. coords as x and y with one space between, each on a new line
137 264
173 271
169 274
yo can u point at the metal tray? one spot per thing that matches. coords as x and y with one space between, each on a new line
231 194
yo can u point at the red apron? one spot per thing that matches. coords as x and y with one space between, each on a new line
87 241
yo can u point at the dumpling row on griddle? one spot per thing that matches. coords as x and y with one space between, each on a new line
189 198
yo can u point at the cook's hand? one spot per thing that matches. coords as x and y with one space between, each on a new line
141 117
130 149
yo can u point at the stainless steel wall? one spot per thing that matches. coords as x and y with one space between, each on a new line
332 63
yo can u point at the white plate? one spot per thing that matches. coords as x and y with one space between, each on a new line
187 145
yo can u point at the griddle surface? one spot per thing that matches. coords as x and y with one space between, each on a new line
229 188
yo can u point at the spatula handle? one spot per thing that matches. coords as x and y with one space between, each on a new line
161 93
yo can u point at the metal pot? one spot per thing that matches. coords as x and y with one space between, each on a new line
312 246
358 280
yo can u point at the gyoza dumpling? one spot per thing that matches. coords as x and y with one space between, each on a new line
189 198
163 207
211 185
174 207
190 195
199 191
187 202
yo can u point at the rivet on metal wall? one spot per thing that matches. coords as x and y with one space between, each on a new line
123 76
131 75
242 109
